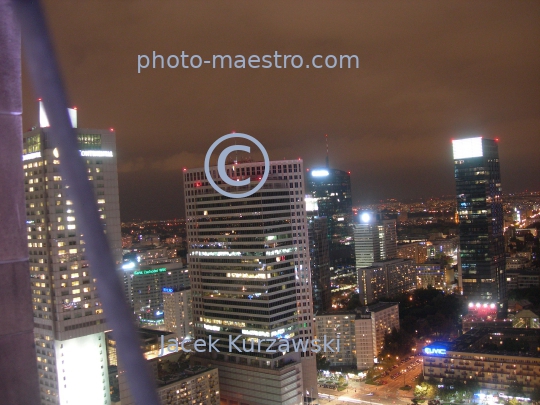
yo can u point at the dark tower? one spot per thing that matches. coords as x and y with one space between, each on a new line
479 206
332 189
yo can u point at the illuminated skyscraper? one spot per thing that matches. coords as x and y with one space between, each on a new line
249 262
68 319
374 239
479 205
332 189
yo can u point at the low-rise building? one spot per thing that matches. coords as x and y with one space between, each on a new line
517 262
416 251
431 274
178 383
522 278
496 358
386 278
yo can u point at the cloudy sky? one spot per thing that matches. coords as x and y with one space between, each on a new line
429 72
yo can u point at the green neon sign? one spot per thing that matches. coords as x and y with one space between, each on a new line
149 271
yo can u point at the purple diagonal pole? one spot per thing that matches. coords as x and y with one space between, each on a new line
47 81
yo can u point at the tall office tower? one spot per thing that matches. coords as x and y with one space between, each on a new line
479 205
320 264
332 189
250 277
374 239
68 318
319 257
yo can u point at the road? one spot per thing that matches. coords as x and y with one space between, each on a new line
388 394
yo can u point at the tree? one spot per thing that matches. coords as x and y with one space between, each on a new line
341 379
421 391
535 394
397 343
322 362
515 389
354 301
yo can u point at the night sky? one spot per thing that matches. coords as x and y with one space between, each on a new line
429 72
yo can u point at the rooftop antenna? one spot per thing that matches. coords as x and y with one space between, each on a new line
327 164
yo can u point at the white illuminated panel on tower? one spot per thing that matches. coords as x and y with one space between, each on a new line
467 148
320 173
82 370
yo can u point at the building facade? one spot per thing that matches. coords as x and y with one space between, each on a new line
177 382
416 251
496 358
338 325
372 284
320 263
145 285
375 239
371 326
431 274
250 277
68 318
332 189
360 333
178 312
481 221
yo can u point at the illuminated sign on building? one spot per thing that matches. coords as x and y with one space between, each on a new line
467 148
167 290
432 350
97 153
320 173
149 271
33 155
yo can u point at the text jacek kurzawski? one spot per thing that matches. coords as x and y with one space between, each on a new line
240 344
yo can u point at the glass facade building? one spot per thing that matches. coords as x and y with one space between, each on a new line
332 189
480 211
250 276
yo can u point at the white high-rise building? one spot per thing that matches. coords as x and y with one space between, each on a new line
249 267
68 318
178 312
374 239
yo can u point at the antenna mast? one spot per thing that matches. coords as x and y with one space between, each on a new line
327 164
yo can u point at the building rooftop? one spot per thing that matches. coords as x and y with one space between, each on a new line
380 306
175 367
500 341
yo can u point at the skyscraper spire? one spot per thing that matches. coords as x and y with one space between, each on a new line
327 164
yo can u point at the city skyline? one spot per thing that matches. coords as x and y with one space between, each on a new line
312 229
389 122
